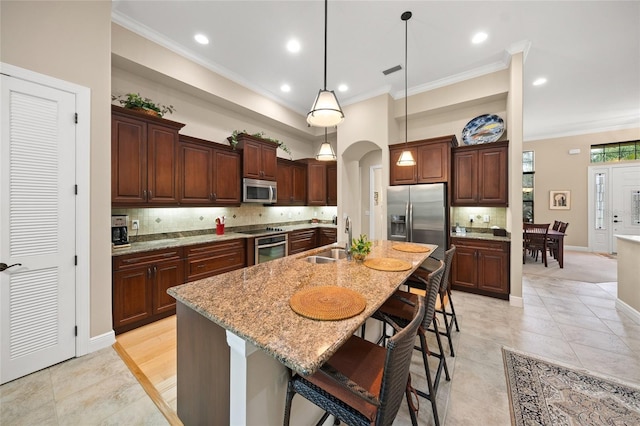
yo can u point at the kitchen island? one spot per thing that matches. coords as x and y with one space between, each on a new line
237 334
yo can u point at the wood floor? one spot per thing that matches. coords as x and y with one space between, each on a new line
150 353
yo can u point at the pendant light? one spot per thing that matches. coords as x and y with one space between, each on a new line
406 158
326 110
326 152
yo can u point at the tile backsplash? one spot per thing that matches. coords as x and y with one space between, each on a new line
176 219
461 215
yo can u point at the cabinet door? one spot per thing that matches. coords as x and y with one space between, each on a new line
132 296
401 175
197 174
465 178
433 163
161 165
128 161
316 184
464 268
269 161
299 184
251 160
332 185
166 275
226 184
284 179
493 269
492 176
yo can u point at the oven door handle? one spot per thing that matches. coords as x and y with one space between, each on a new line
279 243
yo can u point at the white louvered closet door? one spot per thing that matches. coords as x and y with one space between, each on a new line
37 227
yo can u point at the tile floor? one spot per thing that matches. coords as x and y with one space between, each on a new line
571 321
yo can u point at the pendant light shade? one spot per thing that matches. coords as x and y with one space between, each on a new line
406 158
325 111
326 152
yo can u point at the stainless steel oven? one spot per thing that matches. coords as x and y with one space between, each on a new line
271 247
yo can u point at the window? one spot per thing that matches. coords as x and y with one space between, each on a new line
618 151
527 186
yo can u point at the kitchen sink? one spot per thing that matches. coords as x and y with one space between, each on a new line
336 253
319 259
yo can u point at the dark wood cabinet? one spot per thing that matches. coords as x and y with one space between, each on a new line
432 161
327 236
292 183
302 240
481 266
259 158
143 159
332 184
140 283
480 175
209 173
208 259
316 182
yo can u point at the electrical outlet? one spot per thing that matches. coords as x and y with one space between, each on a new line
135 224
486 218
470 218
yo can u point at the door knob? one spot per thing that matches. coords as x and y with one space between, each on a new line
4 266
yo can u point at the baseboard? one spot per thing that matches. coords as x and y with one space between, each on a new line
635 315
576 248
516 301
102 341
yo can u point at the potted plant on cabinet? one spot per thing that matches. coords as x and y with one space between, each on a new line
360 248
233 140
136 102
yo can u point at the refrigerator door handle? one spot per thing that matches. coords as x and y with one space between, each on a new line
410 218
407 222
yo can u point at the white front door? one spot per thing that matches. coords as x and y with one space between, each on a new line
37 227
625 202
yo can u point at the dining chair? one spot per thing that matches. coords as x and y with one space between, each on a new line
556 225
535 241
363 383
552 243
397 307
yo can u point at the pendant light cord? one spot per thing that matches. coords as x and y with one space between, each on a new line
406 112
325 43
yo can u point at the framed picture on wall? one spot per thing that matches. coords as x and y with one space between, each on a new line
559 200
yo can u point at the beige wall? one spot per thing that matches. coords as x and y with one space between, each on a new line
556 169
71 41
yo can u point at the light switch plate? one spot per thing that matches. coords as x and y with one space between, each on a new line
486 218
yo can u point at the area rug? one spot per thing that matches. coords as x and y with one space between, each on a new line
543 392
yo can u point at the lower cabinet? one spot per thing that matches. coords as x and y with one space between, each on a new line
206 260
327 236
140 283
302 240
481 266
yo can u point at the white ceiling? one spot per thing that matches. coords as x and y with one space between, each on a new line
588 50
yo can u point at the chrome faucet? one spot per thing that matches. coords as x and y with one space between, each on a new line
348 229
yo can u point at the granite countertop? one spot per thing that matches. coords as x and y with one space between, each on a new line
481 236
180 241
253 302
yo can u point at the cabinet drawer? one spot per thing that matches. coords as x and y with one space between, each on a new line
300 241
213 259
207 249
501 246
146 258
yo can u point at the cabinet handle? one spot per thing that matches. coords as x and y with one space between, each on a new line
150 195
155 270
149 272
215 197
144 195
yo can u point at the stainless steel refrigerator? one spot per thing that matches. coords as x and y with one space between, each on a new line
418 213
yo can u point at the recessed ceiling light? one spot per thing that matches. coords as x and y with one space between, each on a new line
539 81
201 38
285 88
293 46
343 88
479 38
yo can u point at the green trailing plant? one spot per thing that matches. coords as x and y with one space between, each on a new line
233 140
361 245
136 101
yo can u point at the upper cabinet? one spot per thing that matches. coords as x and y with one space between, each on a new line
143 159
432 161
259 159
209 173
316 182
292 183
332 184
480 175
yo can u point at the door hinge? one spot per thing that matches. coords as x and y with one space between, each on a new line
75 117
76 331
75 260
76 189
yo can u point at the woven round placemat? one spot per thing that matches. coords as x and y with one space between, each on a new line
387 264
411 248
327 303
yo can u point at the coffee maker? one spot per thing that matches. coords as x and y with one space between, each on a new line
119 230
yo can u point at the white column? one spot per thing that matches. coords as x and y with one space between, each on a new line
238 383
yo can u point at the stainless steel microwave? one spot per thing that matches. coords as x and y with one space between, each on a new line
259 191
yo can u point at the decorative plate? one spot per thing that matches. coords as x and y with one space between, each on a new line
486 128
